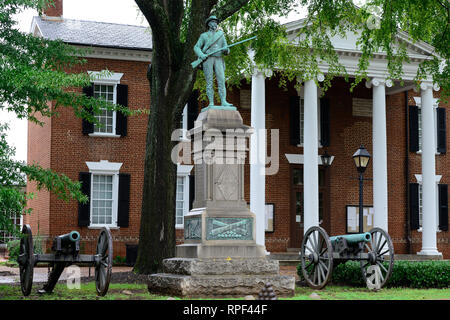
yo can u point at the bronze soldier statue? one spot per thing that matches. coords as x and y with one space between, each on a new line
210 41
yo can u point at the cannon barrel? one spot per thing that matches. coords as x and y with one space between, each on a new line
353 238
68 238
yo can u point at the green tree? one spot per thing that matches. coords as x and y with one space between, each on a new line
176 26
34 71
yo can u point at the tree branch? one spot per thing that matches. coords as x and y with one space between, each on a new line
229 8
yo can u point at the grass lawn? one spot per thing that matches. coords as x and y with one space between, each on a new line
334 292
139 292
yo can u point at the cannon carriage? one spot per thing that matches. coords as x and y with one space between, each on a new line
65 253
320 254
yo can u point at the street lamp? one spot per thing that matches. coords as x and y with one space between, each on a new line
361 158
326 159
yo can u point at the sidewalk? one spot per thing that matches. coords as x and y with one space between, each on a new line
10 275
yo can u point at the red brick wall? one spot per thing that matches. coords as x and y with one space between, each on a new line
71 149
39 151
55 9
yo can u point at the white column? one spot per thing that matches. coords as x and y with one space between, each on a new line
257 154
310 167
379 156
429 246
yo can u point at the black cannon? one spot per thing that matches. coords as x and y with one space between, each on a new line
320 253
66 250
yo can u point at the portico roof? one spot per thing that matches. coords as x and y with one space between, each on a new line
349 52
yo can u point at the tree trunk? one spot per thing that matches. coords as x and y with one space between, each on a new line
171 81
157 230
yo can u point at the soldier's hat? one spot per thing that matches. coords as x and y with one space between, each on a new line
211 18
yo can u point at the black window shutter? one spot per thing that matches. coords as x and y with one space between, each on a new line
88 127
443 207
413 128
192 109
324 122
414 205
121 119
441 131
123 208
191 191
294 120
84 209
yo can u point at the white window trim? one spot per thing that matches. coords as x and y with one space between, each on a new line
183 171
184 125
104 167
301 95
299 158
419 181
99 78
418 101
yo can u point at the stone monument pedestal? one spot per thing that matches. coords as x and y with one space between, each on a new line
219 255
219 277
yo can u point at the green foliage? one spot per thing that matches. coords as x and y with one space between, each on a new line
13 198
13 247
377 24
34 71
119 260
411 274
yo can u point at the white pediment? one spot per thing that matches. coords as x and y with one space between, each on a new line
416 50
349 53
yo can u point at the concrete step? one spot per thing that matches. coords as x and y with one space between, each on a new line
286 258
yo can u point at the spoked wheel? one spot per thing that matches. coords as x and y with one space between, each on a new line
381 254
316 257
103 266
26 260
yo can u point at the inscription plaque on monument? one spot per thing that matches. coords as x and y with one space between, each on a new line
229 228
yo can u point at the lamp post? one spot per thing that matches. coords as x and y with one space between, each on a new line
361 158
326 162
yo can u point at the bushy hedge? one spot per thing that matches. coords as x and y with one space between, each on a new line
13 247
411 274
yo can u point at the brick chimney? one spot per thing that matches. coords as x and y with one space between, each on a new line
53 11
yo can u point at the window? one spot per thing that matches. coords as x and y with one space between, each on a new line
102 199
107 117
104 193
419 120
183 124
180 203
182 194
419 180
17 221
106 86
302 120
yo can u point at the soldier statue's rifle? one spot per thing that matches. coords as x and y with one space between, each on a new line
199 61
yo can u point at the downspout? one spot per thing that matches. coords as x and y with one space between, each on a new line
407 226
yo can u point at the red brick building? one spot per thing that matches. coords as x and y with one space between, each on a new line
110 159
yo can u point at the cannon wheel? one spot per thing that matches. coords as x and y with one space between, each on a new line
316 257
26 260
104 266
378 248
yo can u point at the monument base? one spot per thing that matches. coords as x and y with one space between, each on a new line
231 250
229 107
215 277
